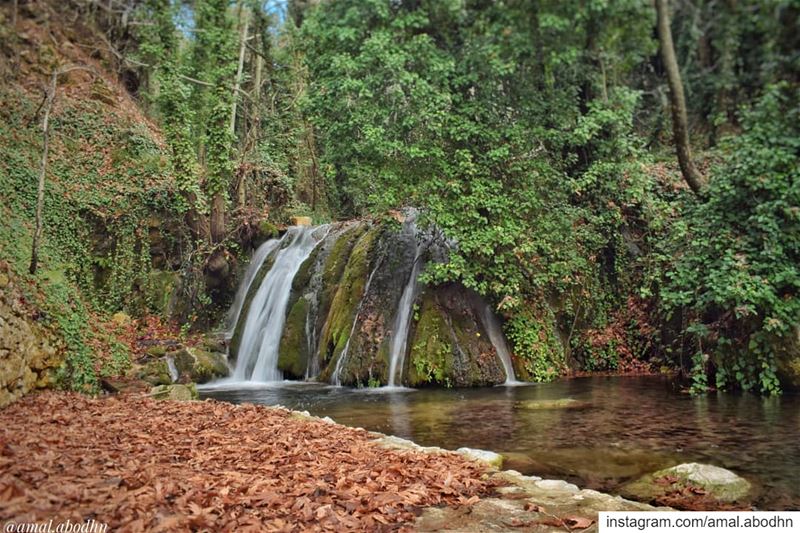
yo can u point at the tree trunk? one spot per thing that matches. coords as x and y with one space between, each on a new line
37 234
680 129
218 217
244 22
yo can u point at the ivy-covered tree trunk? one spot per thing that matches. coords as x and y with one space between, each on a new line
216 59
680 128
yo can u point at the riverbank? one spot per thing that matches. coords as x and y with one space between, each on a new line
140 464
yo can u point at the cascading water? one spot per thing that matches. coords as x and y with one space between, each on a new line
288 300
260 255
402 321
172 369
257 358
495 332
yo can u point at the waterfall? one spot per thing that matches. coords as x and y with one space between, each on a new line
173 370
257 260
343 356
402 321
495 332
257 359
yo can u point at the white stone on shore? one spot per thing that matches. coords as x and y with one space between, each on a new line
491 458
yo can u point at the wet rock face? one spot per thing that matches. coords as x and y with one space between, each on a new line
343 306
448 343
28 351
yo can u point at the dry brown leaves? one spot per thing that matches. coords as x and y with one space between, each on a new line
138 464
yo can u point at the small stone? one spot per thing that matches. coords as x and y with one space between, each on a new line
492 458
556 484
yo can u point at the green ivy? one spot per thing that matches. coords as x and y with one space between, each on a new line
737 273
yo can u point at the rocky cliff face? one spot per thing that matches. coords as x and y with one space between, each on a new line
28 351
342 308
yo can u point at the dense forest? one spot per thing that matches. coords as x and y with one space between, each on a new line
378 238
619 179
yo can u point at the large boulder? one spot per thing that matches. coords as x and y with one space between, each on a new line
199 366
717 483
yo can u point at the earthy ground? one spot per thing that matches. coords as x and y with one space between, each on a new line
142 465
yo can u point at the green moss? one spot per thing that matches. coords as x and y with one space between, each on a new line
349 292
431 358
160 289
293 358
338 257
208 366
182 393
267 230
201 366
304 273
155 373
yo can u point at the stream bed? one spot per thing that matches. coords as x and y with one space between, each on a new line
598 432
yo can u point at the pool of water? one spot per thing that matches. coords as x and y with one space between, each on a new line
599 432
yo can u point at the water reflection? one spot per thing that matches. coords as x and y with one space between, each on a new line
599 432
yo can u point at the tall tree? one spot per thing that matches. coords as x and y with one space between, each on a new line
680 128
216 60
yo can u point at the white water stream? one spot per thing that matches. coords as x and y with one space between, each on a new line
257 359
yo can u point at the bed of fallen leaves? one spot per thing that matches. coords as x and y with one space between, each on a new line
142 465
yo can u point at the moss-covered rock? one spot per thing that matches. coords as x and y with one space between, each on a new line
432 354
718 483
177 392
345 301
160 291
449 345
266 231
294 352
334 267
199 365
29 352
155 372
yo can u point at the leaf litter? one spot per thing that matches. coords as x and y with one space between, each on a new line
143 465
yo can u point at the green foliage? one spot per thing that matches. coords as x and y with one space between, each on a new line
534 340
105 178
738 273
455 108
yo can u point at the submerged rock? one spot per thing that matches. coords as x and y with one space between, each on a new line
718 483
562 403
176 392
